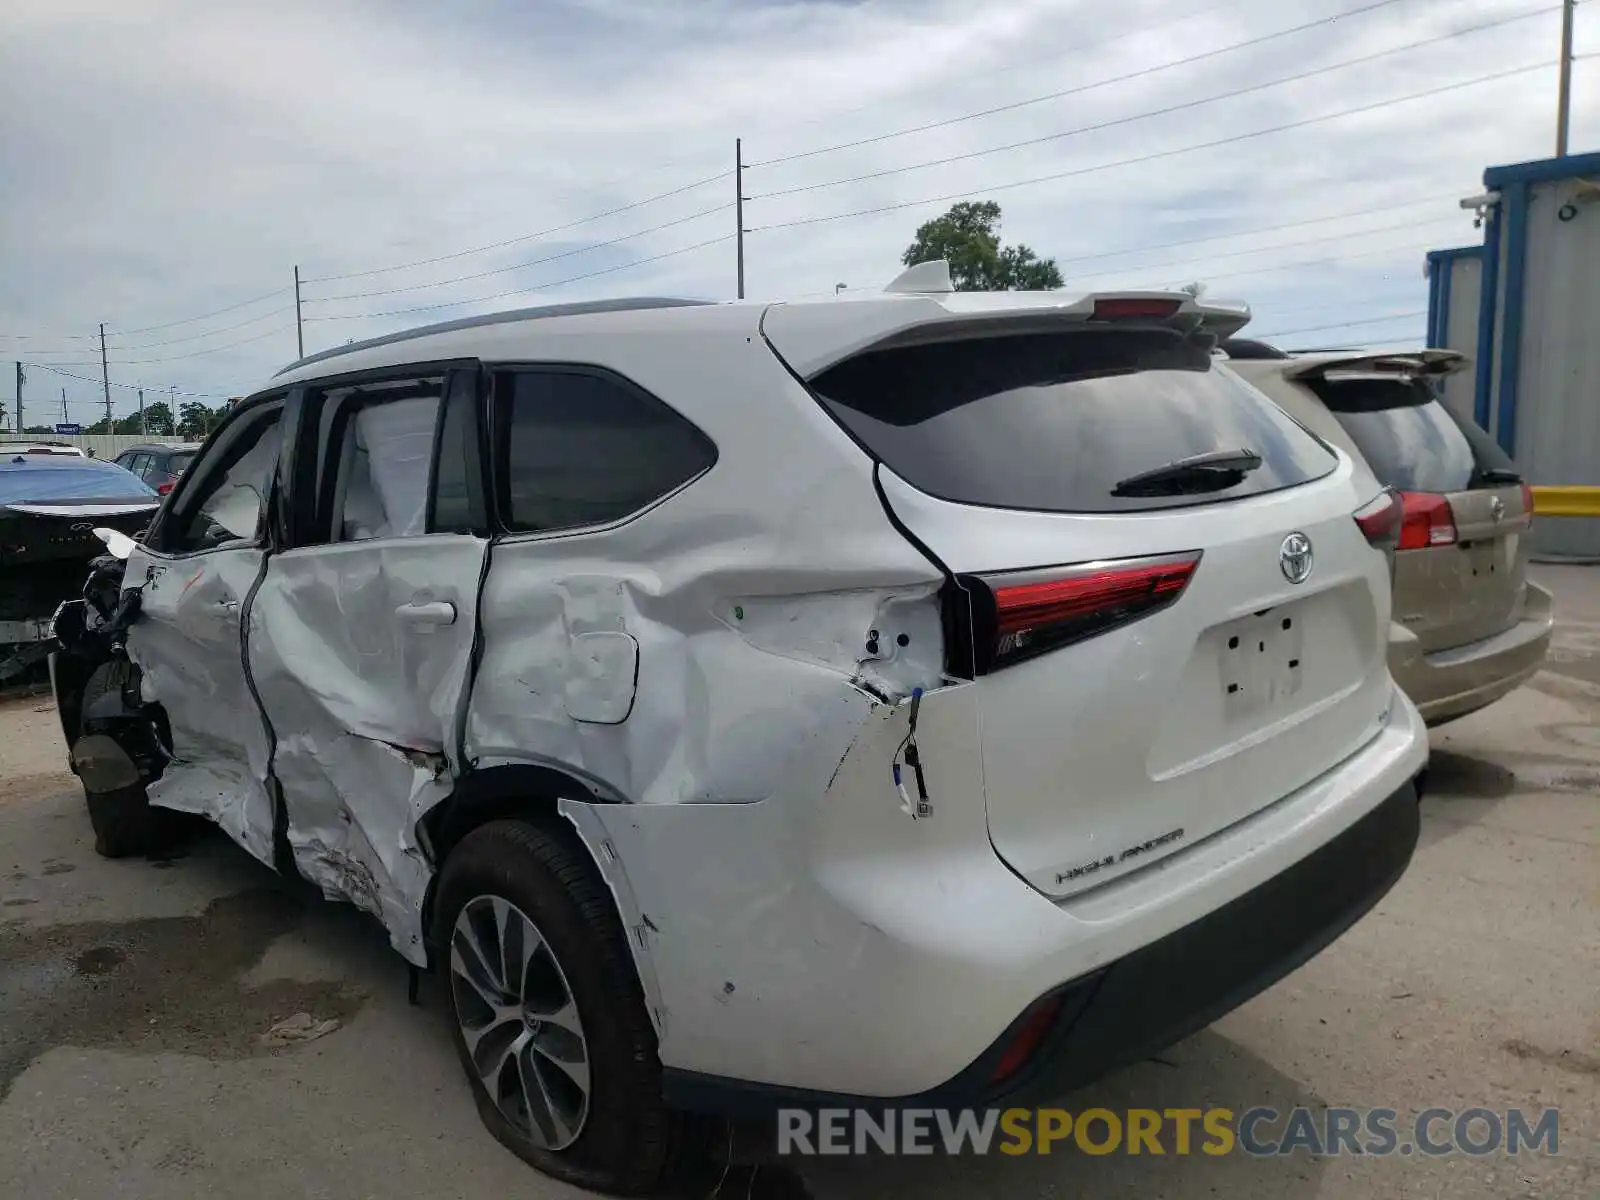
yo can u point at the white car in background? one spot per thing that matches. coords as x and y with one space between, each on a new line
918 698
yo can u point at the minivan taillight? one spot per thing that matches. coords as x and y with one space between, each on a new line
163 488
1020 614
1426 521
1527 500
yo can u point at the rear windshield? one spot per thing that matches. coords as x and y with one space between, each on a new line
178 463
1054 422
1410 440
32 483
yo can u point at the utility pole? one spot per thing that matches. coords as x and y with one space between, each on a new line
1564 88
738 204
105 375
143 432
299 336
22 378
63 406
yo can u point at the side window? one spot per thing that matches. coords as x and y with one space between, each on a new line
137 464
229 495
376 454
577 447
125 461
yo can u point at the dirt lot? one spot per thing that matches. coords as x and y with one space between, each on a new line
134 997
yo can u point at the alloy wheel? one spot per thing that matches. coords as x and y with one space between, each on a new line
519 1022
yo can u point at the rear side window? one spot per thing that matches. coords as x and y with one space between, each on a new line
1054 422
178 463
25 482
578 447
1411 441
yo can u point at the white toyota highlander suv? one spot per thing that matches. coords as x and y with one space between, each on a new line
925 698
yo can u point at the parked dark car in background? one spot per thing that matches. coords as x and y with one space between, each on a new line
159 464
50 506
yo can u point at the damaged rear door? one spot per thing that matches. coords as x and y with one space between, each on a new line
362 631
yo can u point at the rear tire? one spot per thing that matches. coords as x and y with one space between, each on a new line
558 1023
124 822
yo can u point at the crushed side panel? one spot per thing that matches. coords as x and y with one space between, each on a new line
360 652
186 643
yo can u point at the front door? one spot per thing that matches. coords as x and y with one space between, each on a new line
362 632
196 575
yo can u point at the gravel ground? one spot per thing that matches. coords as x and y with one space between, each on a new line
134 997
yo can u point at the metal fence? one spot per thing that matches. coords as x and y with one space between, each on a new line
104 445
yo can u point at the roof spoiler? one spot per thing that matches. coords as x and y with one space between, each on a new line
1429 364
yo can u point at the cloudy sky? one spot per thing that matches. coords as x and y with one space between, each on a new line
167 164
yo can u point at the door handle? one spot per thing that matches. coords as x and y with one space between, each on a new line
225 608
440 612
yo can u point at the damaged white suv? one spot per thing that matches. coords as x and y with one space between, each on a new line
926 698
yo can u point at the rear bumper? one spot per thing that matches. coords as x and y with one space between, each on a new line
1155 996
837 953
1452 683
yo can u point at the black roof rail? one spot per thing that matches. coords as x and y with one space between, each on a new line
1249 348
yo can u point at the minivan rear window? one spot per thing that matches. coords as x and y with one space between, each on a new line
1410 440
1053 422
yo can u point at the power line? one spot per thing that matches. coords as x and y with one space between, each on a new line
1405 316
639 262
192 337
1327 261
1226 254
1217 237
415 287
943 86
1158 112
1073 91
610 212
128 386
1160 154
137 362
205 316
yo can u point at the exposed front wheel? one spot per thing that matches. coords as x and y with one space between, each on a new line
124 822
546 1009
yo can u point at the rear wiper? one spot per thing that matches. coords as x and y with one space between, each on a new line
1211 471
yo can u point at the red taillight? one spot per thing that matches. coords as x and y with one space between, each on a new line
1030 1031
1031 612
1427 521
1527 500
1122 307
163 488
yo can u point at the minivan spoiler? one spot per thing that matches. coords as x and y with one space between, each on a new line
1430 364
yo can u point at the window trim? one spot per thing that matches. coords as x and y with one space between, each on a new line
180 506
467 388
498 430
312 458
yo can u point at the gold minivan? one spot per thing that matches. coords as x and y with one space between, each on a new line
1468 626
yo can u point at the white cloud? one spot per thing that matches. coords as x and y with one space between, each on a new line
165 159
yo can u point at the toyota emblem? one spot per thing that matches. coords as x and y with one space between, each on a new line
1294 557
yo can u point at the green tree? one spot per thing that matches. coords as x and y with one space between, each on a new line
158 420
194 420
968 237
